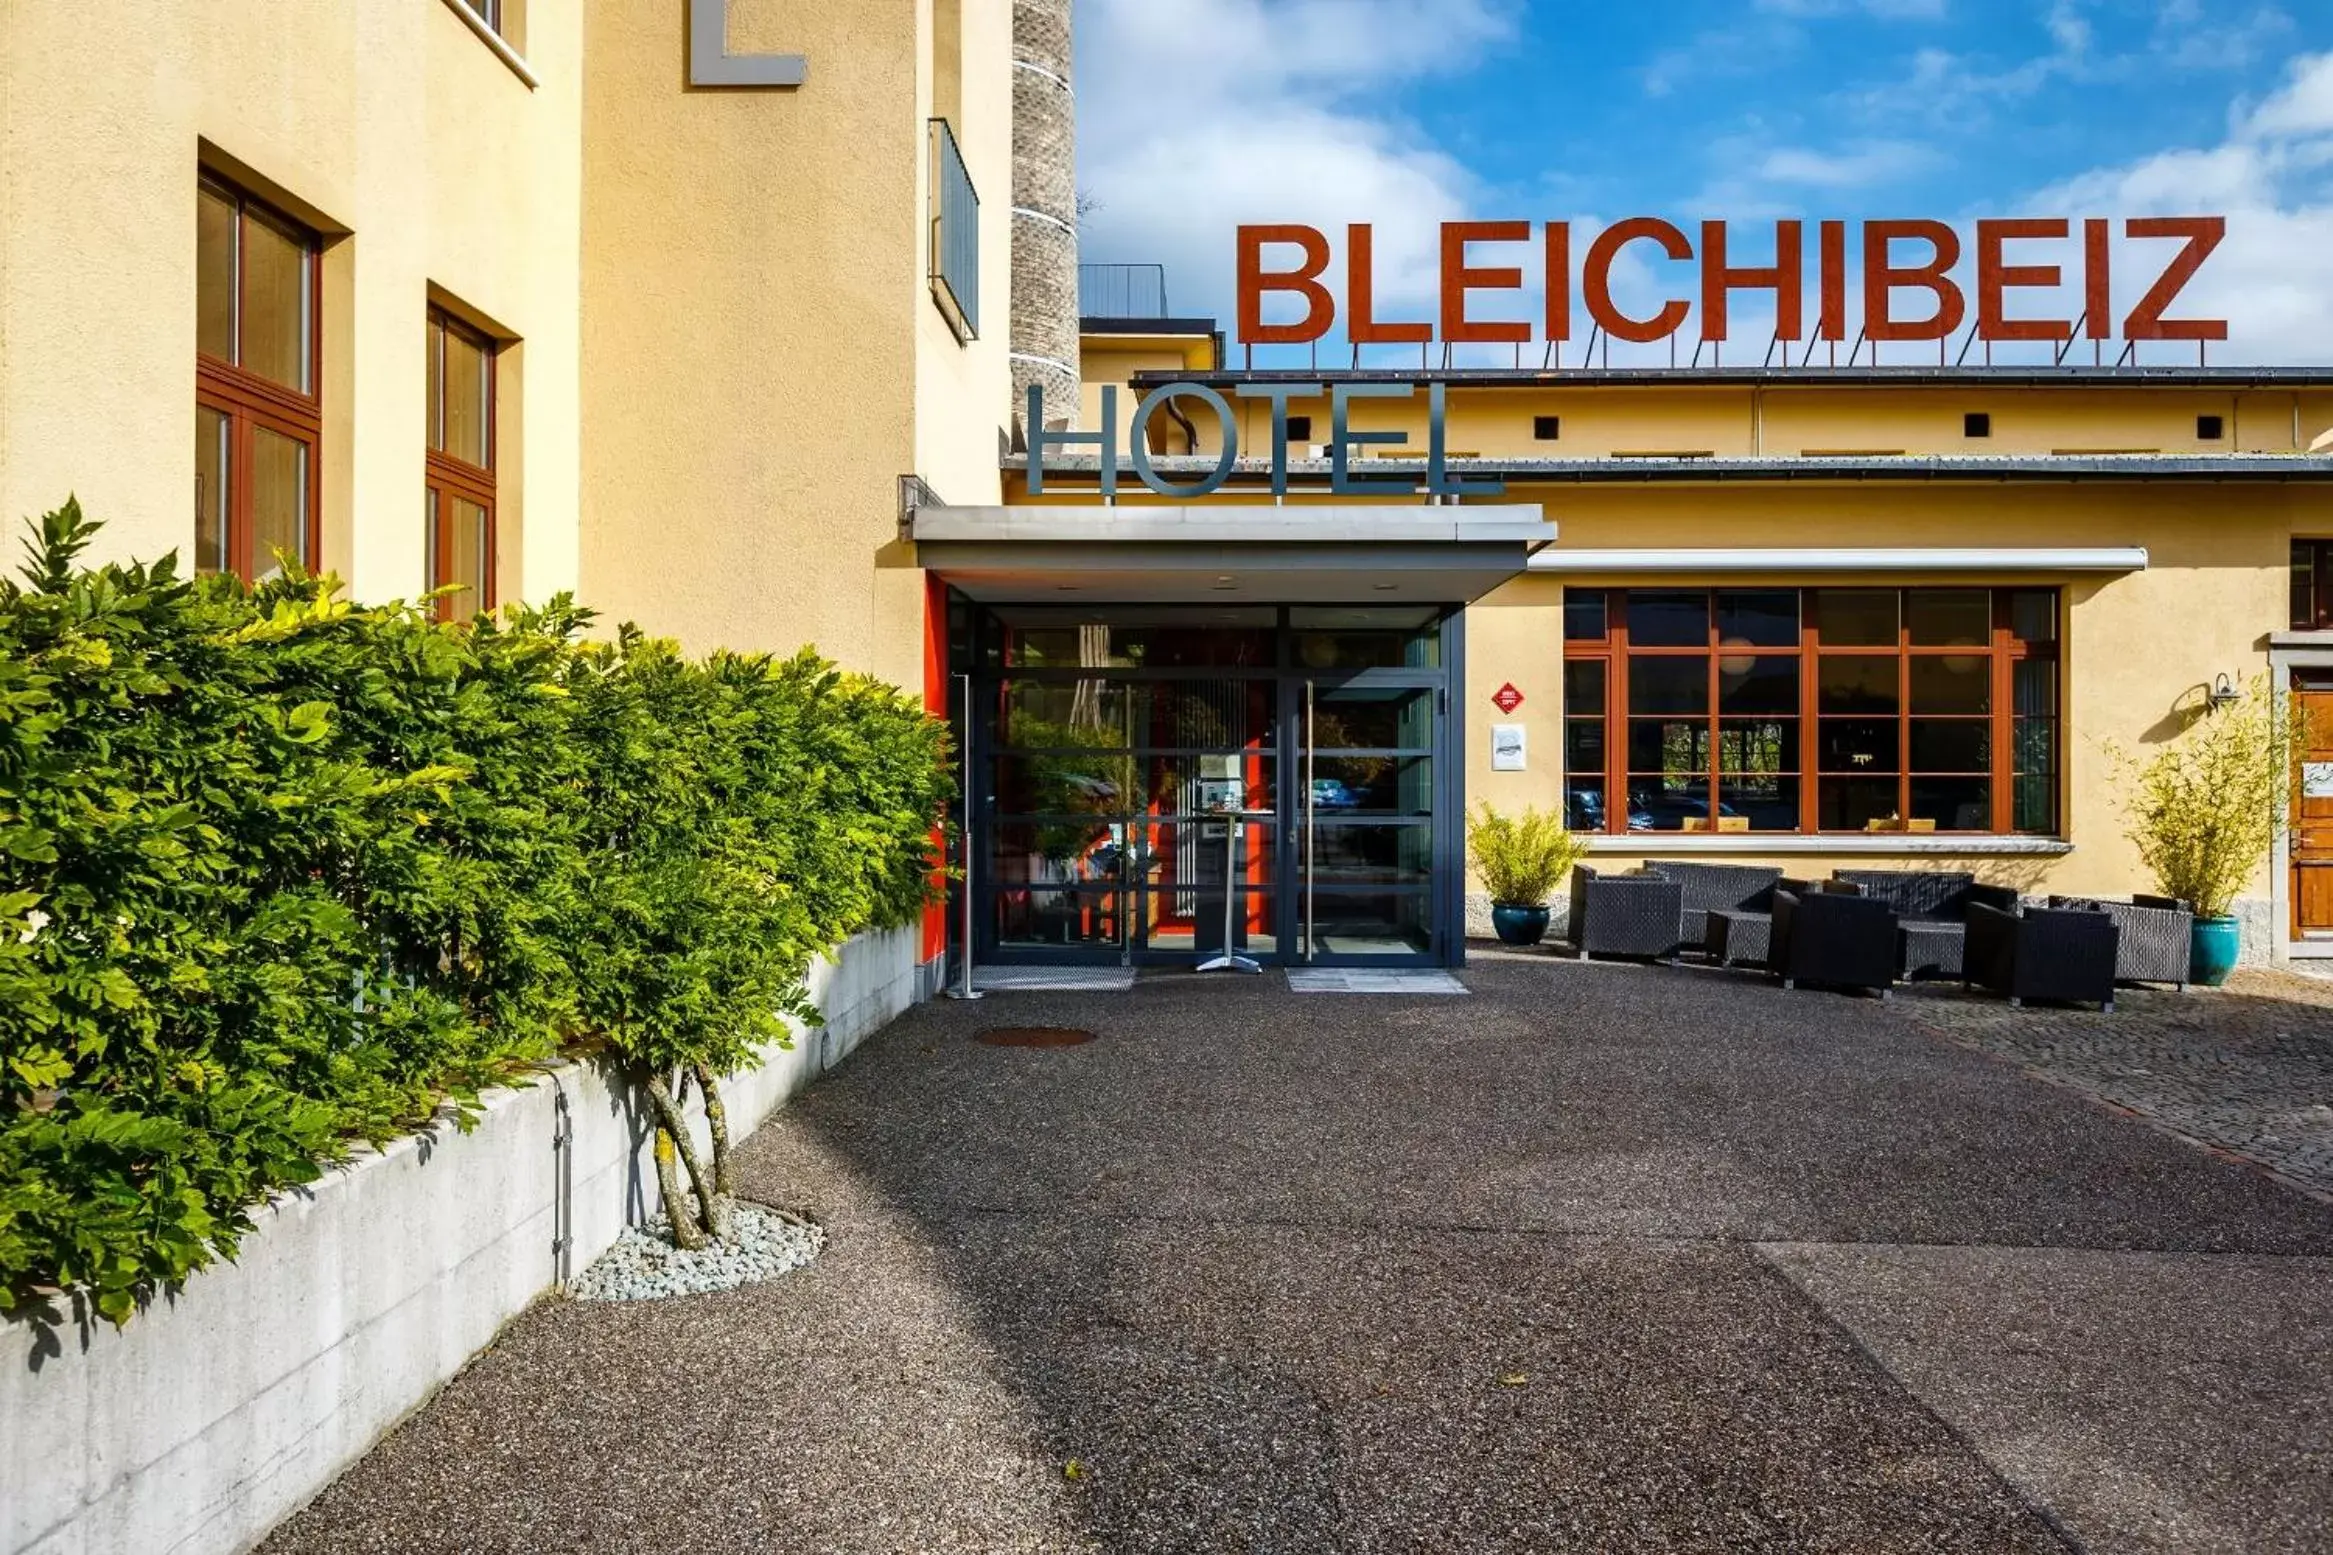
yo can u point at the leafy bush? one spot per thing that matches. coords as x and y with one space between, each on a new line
1522 859
2205 810
279 875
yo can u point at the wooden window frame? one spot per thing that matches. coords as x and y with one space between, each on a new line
2003 648
249 400
447 478
2319 616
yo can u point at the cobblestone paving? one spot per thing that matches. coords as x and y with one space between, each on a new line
2247 1068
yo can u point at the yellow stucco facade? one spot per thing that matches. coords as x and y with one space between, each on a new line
719 349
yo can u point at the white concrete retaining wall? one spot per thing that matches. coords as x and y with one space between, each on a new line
217 1413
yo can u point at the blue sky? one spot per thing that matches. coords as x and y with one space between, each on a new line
1200 114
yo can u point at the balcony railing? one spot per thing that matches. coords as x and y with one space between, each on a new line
955 253
1122 292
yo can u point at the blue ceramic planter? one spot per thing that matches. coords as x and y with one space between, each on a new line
2215 943
1519 925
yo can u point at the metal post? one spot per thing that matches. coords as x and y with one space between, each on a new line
964 988
1231 960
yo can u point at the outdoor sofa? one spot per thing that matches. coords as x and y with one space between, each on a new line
1838 939
2053 953
2156 936
1635 914
1726 907
1932 908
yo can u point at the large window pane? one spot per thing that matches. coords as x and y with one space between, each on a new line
1067 851
1583 746
1952 745
279 501
1862 683
1372 785
2033 615
1583 615
1392 719
214 274
275 320
2035 687
1855 618
1952 683
1668 684
1858 745
472 562
1663 618
1668 745
1583 688
1757 685
1029 919
2035 799
1954 804
1949 618
1372 855
211 461
1667 803
435 333
1583 803
1757 745
1767 802
466 368
1757 618
1372 923
1853 803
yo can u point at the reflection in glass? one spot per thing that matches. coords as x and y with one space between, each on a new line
467 365
1668 745
1372 785
1853 803
1373 855
2034 687
1583 615
214 274
1858 683
275 321
1952 745
1757 618
1376 923
1949 618
472 563
1583 746
1665 618
1757 745
1583 804
1029 919
279 501
1060 852
2033 615
1667 803
1868 745
1953 803
1855 618
1952 683
211 462
1583 688
1747 684
1669 684
1392 718
1366 638
1767 801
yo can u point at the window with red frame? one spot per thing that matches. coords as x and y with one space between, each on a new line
459 491
258 413
1811 709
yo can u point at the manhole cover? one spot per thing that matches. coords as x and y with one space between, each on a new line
1035 1036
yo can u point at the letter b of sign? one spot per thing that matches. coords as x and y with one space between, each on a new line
711 63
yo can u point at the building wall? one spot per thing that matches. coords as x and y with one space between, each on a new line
392 123
2139 651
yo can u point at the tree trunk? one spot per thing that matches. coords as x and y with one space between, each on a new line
676 1209
706 1217
724 1181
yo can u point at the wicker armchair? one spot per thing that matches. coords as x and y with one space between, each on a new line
1931 913
2157 935
2043 953
1712 888
1834 938
1625 915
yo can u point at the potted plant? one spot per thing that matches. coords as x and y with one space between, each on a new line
2205 812
1521 859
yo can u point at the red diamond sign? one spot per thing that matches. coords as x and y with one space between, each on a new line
1507 697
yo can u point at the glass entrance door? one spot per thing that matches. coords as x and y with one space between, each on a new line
1150 784
1368 868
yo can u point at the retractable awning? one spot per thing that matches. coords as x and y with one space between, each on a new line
1214 553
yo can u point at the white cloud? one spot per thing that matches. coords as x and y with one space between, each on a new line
1199 116
1863 166
2272 177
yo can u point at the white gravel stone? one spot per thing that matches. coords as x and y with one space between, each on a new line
644 1265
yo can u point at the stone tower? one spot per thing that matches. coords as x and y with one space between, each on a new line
1045 299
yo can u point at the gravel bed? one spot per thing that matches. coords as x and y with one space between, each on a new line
645 1266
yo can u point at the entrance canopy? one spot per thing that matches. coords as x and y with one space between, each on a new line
1225 552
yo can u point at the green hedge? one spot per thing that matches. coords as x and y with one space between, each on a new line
280 874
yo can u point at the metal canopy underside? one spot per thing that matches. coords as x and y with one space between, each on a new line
1229 553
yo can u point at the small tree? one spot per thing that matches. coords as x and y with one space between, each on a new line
1522 859
743 817
2206 809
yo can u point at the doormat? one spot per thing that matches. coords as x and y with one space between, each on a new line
1035 1036
1365 980
1054 979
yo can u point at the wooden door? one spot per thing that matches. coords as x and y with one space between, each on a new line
2312 828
